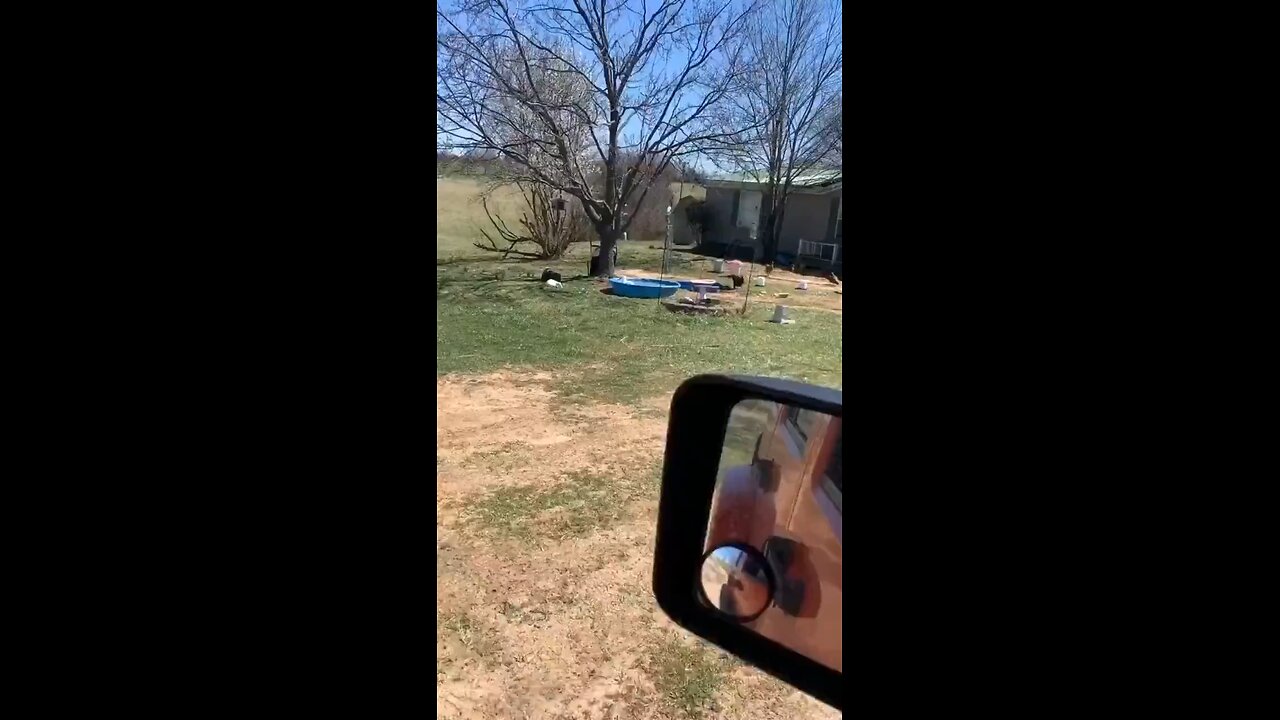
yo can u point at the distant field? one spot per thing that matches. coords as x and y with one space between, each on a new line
459 214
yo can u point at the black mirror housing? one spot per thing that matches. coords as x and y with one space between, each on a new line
700 414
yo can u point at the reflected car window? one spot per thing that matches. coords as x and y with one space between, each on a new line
800 423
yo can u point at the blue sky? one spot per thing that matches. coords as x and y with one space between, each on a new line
625 24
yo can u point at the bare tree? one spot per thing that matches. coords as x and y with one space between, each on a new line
639 78
794 56
546 223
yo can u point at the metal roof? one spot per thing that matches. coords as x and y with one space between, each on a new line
825 179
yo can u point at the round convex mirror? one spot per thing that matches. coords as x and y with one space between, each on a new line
736 580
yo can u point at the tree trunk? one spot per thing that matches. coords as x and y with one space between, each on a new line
769 238
608 241
775 238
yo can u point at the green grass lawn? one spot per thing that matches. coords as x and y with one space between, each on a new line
492 314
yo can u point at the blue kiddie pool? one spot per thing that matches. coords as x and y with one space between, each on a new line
643 287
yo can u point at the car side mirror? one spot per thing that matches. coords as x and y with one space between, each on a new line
750 525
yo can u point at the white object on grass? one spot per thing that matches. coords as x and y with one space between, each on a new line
804 285
554 284
759 281
780 315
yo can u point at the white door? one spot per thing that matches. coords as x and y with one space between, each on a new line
749 209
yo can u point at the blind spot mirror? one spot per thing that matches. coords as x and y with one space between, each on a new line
736 581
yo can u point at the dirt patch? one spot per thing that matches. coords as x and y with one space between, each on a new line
556 618
821 293
475 415
509 415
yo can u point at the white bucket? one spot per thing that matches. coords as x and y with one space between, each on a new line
759 281
717 265
804 285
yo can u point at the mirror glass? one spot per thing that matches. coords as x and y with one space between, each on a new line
779 497
735 582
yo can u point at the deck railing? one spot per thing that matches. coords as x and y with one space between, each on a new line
819 250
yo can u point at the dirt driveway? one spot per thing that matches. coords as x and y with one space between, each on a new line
544 545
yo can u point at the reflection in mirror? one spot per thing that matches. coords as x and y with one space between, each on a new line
735 582
779 490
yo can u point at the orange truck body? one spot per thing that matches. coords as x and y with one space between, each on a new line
788 504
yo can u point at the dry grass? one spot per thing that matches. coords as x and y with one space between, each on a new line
579 504
689 675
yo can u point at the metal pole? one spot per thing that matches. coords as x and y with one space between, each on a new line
666 243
